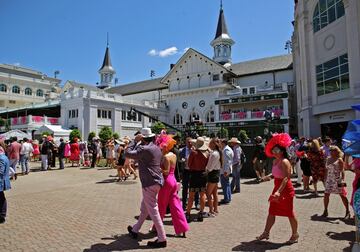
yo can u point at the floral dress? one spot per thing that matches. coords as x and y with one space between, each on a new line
317 162
333 178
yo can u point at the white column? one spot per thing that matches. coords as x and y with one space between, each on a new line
285 102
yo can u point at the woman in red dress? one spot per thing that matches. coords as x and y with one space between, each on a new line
281 199
75 153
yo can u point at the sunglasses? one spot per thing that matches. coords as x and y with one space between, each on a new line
276 150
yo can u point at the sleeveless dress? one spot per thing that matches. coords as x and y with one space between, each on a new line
333 177
75 152
285 205
67 151
168 197
36 149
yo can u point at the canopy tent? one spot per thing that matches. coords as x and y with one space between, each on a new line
356 107
56 130
15 133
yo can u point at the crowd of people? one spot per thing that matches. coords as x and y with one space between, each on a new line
165 168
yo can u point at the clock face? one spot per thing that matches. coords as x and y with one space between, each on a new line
184 105
202 103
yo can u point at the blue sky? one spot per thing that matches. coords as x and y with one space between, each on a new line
70 35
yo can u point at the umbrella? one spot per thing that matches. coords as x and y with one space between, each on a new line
356 107
15 133
351 139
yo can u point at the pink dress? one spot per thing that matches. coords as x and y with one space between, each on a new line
168 196
67 151
36 149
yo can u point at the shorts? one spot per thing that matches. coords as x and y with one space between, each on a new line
213 176
259 165
197 181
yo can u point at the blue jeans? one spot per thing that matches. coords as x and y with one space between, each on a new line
235 182
225 185
24 162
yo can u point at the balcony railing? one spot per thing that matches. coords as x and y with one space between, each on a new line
30 119
248 115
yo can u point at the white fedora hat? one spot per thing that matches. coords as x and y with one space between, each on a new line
234 140
200 144
146 132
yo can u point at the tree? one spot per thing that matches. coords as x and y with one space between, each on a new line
243 136
116 135
75 133
7 125
46 133
105 133
157 127
2 122
92 134
223 133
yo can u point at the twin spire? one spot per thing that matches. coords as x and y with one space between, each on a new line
106 71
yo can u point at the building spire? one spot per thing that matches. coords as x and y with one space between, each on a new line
106 71
222 42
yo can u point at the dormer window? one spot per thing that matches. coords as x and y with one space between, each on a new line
216 77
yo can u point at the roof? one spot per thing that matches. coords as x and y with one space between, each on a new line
221 26
15 133
270 64
56 129
82 85
107 61
138 87
26 72
48 104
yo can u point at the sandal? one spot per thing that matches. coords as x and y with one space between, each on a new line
293 239
263 236
347 215
325 214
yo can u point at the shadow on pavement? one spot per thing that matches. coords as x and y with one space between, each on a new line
259 246
115 180
343 236
332 220
119 243
251 182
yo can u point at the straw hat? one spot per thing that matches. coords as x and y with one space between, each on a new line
200 144
234 140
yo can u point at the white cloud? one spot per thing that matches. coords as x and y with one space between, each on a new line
185 49
17 64
168 52
153 52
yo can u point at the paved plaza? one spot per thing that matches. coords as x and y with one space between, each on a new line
81 209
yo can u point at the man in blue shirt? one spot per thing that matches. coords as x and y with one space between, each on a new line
4 181
225 171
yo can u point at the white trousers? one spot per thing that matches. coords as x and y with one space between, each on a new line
44 162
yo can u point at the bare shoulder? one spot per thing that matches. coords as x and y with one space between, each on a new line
285 162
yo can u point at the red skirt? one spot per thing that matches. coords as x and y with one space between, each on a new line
285 205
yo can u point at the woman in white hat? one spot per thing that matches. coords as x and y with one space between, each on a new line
197 162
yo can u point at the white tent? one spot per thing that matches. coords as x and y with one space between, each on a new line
56 130
15 133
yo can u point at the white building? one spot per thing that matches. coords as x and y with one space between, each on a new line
214 91
326 49
20 86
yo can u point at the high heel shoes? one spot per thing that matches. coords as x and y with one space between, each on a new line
293 239
263 236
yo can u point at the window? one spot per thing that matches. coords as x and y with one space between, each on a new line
3 88
178 119
123 115
245 91
16 90
194 117
12 102
74 113
152 120
210 116
28 91
39 93
105 114
139 117
333 75
326 12
216 77
252 90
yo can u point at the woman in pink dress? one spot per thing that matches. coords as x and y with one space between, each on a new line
75 153
67 152
36 152
168 195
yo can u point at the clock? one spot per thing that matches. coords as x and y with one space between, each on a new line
202 103
184 105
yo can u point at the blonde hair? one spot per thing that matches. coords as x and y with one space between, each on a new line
337 149
315 145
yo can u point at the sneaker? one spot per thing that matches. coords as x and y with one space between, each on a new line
200 217
131 232
188 217
205 215
156 244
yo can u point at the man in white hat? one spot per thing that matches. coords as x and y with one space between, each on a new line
236 164
149 156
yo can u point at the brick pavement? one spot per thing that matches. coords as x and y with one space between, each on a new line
86 210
